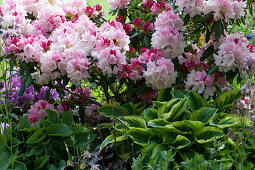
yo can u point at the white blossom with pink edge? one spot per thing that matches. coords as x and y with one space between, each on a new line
191 7
167 35
160 74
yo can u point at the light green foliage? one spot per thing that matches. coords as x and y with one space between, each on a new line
179 124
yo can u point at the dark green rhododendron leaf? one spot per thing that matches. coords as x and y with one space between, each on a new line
134 121
114 109
59 129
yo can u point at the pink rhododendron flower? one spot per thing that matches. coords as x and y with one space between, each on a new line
167 35
37 111
160 74
200 82
191 7
225 9
232 53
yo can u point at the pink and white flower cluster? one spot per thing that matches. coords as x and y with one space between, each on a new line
110 51
221 9
37 111
200 82
118 3
191 7
225 9
71 43
160 74
233 53
168 36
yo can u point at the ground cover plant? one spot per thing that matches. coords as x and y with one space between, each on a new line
151 85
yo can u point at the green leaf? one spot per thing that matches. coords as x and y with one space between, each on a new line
19 165
139 107
204 114
150 114
5 157
227 122
110 110
134 121
52 116
147 152
218 29
196 126
24 122
209 51
68 118
3 140
53 167
83 139
214 69
29 81
164 95
226 99
130 108
208 134
158 123
37 137
107 141
203 19
59 129
178 93
157 152
147 41
176 110
196 101
22 89
42 163
140 136
167 106
181 142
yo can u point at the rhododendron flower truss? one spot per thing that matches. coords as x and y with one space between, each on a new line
168 36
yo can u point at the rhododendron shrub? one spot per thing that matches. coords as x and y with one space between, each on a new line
57 42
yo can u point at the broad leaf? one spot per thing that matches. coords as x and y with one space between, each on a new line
52 116
208 134
37 137
196 101
204 114
134 121
83 139
114 109
140 136
158 123
59 129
